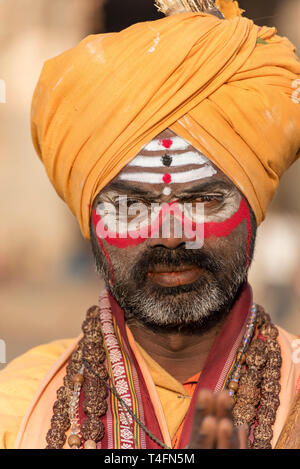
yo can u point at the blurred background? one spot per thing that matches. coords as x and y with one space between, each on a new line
47 275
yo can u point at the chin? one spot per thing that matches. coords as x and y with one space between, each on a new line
192 306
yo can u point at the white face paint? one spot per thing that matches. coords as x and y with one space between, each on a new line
167 191
170 178
174 144
168 154
176 155
181 159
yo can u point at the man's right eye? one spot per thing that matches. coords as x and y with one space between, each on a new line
127 202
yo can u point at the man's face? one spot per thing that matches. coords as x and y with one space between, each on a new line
154 272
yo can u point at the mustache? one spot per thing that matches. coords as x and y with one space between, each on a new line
174 258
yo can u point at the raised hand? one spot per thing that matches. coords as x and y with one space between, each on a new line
213 424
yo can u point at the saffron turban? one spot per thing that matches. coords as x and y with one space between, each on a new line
229 87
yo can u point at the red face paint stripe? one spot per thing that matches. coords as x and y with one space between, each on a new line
224 228
212 229
249 238
111 269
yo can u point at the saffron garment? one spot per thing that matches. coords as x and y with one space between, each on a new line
28 385
170 392
229 87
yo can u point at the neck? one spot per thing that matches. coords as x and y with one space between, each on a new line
181 354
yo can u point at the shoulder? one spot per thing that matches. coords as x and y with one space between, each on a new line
290 353
288 437
19 381
289 341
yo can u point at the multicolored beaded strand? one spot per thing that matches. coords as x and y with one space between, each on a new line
232 383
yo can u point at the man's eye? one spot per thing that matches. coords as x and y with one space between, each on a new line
125 204
211 198
129 202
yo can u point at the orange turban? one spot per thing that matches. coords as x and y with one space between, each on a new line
230 88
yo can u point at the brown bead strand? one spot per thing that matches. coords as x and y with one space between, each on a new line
270 388
95 392
90 348
257 398
60 421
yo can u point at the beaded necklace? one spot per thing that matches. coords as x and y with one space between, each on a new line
253 383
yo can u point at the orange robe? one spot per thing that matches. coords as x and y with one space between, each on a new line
29 383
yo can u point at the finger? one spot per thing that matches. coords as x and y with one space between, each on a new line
225 435
204 408
205 437
243 431
223 406
205 403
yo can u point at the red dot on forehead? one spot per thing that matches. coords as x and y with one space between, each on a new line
167 178
166 142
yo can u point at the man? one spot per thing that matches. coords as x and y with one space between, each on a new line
167 141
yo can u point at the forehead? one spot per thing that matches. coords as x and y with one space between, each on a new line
166 166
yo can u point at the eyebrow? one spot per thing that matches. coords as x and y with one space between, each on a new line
217 184
131 188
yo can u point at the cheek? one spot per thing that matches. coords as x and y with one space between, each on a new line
226 227
115 238
117 257
105 253
234 224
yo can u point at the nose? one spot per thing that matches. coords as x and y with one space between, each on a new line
168 236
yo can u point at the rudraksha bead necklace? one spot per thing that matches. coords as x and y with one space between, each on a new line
258 374
253 383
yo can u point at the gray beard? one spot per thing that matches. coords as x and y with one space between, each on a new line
186 310
197 306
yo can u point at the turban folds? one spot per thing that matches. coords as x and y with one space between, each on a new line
229 87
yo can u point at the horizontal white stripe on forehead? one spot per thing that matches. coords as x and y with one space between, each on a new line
182 159
176 178
178 143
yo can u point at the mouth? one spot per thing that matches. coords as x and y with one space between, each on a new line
167 276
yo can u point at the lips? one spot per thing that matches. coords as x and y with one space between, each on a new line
168 276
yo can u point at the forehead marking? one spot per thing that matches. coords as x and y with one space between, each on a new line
167 178
167 142
176 178
181 159
167 160
175 143
167 191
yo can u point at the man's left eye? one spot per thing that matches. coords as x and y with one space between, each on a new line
129 202
210 198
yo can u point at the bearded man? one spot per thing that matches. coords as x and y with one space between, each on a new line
167 141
